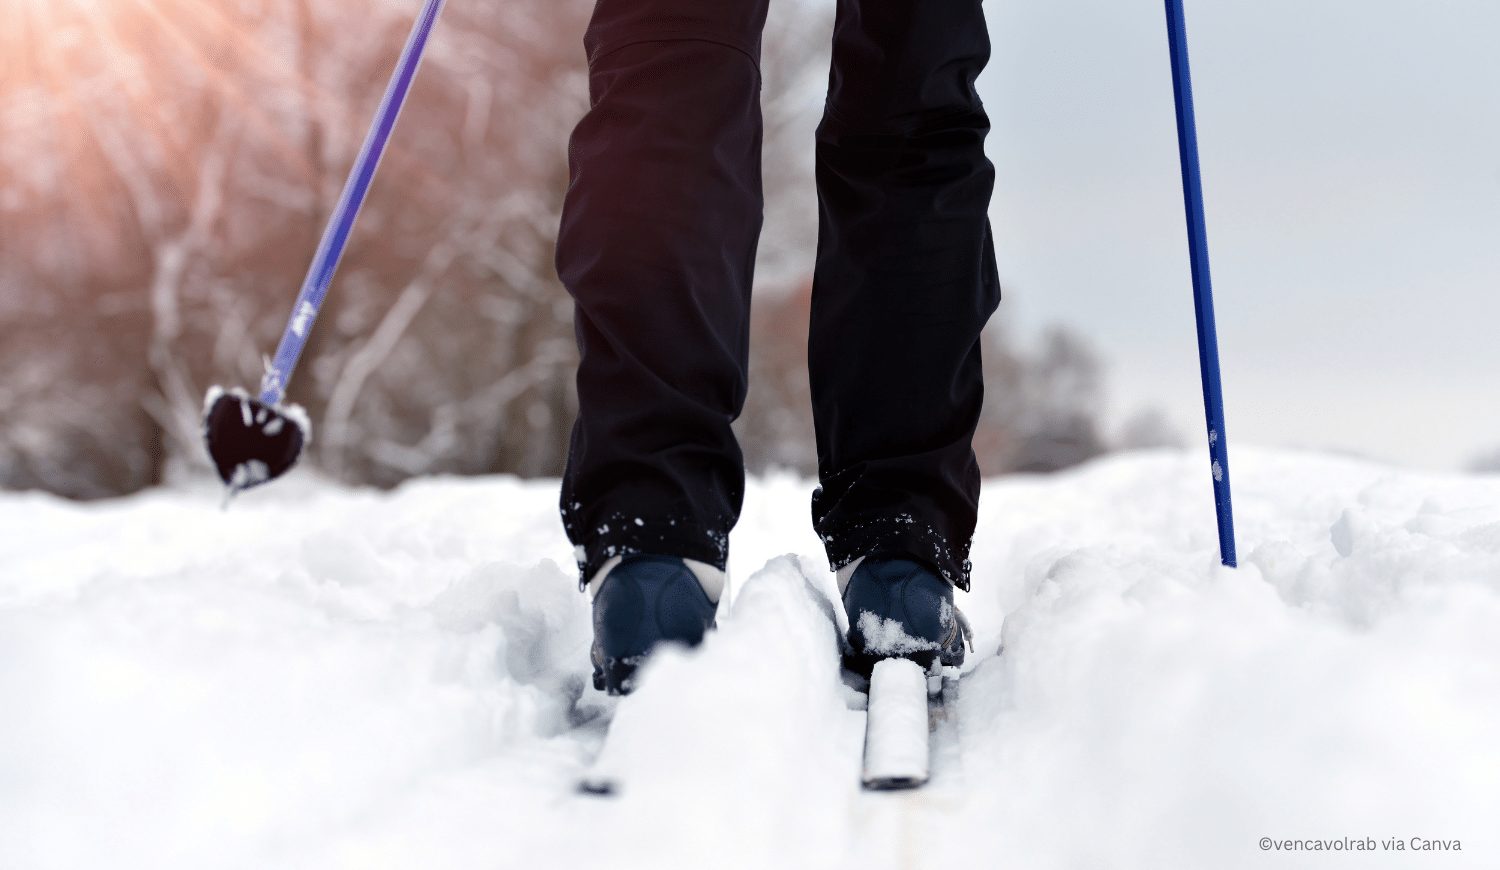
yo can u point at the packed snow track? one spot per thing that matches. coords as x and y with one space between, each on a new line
322 677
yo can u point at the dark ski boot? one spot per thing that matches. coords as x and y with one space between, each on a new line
643 601
899 607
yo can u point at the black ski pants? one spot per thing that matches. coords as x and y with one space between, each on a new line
657 247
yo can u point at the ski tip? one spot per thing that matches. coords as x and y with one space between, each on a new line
897 726
597 787
894 783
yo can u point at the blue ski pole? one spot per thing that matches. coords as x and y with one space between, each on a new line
250 440
1203 300
336 234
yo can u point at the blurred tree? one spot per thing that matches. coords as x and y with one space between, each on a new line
1484 463
1041 408
776 429
1060 397
165 170
1148 429
795 56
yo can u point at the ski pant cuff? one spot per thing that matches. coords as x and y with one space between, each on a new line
904 536
622 535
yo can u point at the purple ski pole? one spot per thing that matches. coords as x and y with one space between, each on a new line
336 234
250 440
1203 300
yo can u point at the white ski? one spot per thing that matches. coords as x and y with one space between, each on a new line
896 743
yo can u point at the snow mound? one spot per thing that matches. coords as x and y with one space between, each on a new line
745 741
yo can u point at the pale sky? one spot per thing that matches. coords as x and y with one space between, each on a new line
1352 191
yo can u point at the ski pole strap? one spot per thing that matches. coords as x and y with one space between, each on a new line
336 233
1203 301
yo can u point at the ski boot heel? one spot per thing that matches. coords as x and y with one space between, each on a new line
900 608
643 601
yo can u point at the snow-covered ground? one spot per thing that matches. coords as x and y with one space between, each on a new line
328 678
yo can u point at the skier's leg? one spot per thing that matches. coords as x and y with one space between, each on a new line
904 283
657 246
